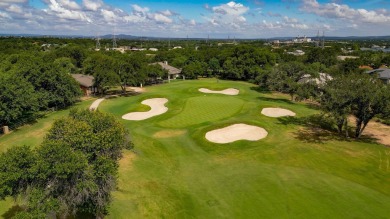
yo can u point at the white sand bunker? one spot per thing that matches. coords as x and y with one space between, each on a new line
277 112
236 132
95 104
229 91
157 108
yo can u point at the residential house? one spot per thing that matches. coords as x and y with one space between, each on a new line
86 83
382 73
172 71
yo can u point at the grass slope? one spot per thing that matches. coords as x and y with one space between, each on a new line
295 172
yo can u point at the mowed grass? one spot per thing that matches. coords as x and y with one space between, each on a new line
295 172
204 109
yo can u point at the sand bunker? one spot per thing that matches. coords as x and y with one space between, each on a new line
95 104
277 112
157 108
236 132
229 91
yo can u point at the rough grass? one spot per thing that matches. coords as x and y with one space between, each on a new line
296 172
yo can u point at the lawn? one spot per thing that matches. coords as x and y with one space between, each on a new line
295 172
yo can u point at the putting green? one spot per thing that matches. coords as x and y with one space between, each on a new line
204 109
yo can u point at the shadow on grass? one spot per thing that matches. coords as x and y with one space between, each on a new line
12 211
260 89
319 129
277 100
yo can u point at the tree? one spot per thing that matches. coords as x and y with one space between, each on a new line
74 170
285 77
356 94
18 101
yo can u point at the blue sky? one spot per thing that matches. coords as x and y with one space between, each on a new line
178 18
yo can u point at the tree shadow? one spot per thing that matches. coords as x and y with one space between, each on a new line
12 211
261 89
319 129
277 100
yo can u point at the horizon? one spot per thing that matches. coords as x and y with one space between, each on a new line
249 19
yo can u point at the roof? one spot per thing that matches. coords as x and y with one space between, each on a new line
383 73
320 80
171 70
84 80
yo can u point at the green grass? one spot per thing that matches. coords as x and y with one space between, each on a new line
293 173
204 109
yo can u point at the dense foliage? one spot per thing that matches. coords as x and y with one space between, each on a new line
74 170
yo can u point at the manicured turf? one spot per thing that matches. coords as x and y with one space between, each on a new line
204 109
295 172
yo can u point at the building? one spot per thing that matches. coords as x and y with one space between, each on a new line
172 71
297 53
343 58
382 73
320 80
86 83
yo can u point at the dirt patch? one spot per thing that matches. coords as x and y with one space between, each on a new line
136 89
127 160
379 131
236 132
229 91
169 133
277 112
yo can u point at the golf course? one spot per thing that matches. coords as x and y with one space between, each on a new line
294 170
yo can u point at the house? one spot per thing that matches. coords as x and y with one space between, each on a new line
297 53
320 80
86 83
382 73
172 71
343 58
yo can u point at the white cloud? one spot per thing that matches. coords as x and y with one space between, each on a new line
109 16
338 11
5 3
15 9
4 15
93 5
140 9
56 9
69 4
160 18
229 15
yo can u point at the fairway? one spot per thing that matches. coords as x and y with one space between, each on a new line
175 172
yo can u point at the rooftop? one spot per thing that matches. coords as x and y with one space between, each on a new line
84 80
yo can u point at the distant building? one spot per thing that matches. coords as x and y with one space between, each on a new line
172 71
86 83
153 49
297 53
303 39
382 73
320 80
177 47
343 58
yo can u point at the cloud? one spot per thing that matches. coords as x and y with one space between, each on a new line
58 10
342 11
93 5
69 4
15 9
5 3
160 18
228 15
